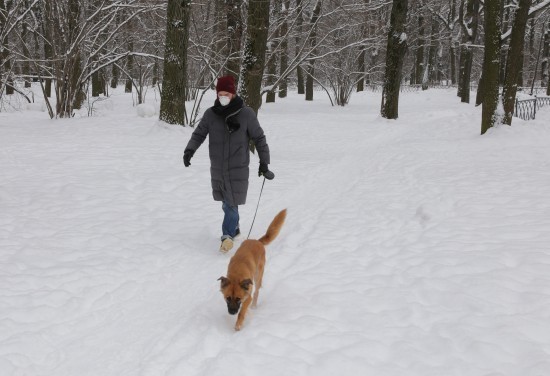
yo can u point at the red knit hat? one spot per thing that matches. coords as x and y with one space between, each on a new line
226 83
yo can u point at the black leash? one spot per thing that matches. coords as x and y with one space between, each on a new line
256 209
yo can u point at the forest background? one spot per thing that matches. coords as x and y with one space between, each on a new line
79 49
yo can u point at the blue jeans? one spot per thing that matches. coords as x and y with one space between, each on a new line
230 221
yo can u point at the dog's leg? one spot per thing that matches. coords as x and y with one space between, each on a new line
259 278
242 314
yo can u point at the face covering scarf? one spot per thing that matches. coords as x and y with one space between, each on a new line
229 112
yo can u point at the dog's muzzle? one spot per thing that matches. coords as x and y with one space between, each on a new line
233 306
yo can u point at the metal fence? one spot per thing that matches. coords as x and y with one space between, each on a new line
406 88
526 109
543 101
536 90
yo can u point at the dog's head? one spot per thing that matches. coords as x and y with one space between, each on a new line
235 293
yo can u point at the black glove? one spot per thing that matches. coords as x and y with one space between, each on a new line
263 170
187 155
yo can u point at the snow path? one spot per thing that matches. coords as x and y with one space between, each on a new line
413 247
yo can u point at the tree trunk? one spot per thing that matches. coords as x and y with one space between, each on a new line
68 69
505 15
130 68
310 70
172 100
271 53
452 48
79 94
532 52
96 85
234 37
5 62
270 77
522 62
428 74
452 58
480 95
470 24
48 57
361 60
491 68
545 68
115 72
395 53
371 78
254 53
432 53
283 87
466 61
419 65
361 68
514 65
537 63
219 37
26 65
299 35
155 73
547 54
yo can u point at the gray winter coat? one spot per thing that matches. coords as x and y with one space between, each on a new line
229 152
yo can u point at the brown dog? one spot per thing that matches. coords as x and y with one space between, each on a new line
245 271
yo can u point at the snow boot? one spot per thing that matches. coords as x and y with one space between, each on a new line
226 245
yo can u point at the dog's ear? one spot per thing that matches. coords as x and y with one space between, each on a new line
246 284
224 282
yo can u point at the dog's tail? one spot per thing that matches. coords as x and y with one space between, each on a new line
274 228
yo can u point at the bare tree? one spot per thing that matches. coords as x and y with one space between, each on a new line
12 15
81 37
491 65
5 63
299 24
172 105
312 40
234 36
283 64
395 53
514 64
430 65
547 57
545 68
254 53
420 46
469 21
272 51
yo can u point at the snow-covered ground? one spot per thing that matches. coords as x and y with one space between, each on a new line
412 247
